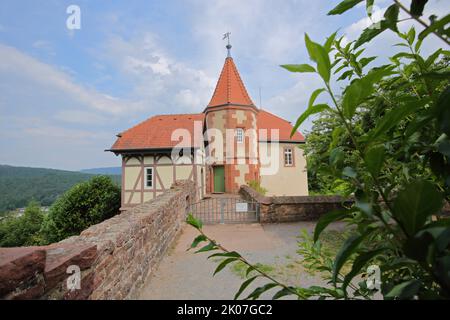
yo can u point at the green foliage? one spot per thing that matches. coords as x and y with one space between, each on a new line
23 230
256 185
20 185
86 204
394 126
384 139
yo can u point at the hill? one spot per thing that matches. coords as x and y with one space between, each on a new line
19 185
106 170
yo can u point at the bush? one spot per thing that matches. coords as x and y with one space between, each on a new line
86 204
256 185
24 230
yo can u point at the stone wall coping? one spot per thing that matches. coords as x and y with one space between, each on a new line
290 199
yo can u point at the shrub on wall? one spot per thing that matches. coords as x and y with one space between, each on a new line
86 204
255 185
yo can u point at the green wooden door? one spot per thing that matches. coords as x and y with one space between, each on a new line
219 179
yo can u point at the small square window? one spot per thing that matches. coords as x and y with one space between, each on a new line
288 157
240 135
149 177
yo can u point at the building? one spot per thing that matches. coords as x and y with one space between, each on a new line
231 143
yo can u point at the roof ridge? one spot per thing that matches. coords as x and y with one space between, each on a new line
159 115
273 114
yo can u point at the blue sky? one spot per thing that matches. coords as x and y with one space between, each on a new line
64 94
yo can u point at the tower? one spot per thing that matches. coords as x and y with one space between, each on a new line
231 114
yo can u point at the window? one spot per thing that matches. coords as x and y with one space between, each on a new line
149 177
240 135
288 157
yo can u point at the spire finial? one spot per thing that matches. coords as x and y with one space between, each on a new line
227 36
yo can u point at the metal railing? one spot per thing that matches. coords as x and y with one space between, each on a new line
225 210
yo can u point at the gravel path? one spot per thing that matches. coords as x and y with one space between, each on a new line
185 275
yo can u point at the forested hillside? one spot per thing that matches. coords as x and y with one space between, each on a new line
19 185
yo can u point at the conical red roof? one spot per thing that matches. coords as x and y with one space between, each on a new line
230 89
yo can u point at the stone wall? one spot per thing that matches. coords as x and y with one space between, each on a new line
300 208
290 209
115 257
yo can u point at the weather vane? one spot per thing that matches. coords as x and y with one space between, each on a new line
227 36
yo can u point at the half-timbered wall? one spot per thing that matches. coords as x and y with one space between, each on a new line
165 173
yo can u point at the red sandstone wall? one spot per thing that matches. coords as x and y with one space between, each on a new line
229 120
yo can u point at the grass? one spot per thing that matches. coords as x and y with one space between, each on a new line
240 269
290 269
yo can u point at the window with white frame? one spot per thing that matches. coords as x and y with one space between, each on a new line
149 177
240 135
288 157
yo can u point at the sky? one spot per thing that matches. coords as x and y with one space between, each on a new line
65 94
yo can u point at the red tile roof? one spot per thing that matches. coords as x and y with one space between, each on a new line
156 132
230 89
269 121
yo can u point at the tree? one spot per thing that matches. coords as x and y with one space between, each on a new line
86 204
24 230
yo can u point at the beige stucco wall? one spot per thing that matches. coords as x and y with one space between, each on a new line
165 173
131 174
286 181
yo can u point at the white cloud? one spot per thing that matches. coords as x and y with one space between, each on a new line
159 81
16 63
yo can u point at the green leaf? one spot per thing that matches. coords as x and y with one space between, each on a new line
369 7
283 292
225 254
346 74
298 67
329 42
444 148
371 32
391 17
435 27
393 117
349 172
444 111
209 247
348 248
197 240
358 264
260 290
360 89
366 61
244 285
411 35
417 7
344 6
196 223
223 264
374 159
415 204
314 96
339 69
305 115
336 158
430 60
328 218
405 290
318 54
354 94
